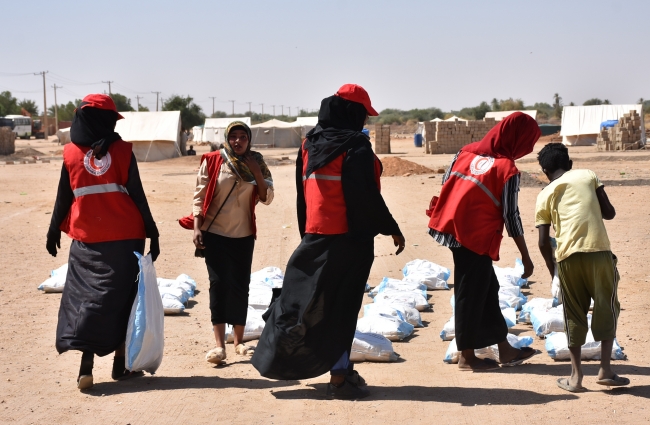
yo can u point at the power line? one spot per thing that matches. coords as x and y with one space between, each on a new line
262 108
233 106
137 108
213 98
157 94
14 74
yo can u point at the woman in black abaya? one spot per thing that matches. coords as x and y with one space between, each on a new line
101 205
311 326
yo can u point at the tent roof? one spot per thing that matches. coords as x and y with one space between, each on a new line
307 121
454 118
223 122
499 115
148 126
436 120
275 123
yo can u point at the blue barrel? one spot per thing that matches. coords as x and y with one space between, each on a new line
418 140
366 132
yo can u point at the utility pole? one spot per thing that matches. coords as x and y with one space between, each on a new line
262 109
44 103
157 94
282 106
249 108
212 97
233 106
110 93
273 110
138 97
56 109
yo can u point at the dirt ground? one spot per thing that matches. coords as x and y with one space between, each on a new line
38 386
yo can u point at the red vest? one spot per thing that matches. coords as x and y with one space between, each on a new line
102 210
469 206
214 163
323 189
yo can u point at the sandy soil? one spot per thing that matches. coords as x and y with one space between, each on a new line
38 386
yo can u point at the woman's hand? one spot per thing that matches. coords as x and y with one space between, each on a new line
400 242
154 248
252 165
198 235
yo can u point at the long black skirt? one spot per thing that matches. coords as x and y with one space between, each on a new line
99 291
312 324
229 262
478 319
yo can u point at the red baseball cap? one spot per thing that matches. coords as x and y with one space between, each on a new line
356 93
100 101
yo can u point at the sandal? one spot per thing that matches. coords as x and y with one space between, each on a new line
615 381
244 350
524 354
354 378
216 355
564 384
85 382
487 365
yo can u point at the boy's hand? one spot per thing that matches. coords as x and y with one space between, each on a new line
528 267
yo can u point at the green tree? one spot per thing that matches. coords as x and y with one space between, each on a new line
593 101
122 103
476 112
511 104
8 104
191 113
29 106
494 105
606 102
66 111
219 114
143 108
557 105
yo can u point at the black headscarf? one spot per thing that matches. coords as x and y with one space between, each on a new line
340 122
94 128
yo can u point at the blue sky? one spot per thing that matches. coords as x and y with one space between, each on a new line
407 54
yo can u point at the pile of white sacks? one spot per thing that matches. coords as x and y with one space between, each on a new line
510 300
175 293
395 311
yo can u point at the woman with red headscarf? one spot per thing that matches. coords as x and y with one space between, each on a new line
478 197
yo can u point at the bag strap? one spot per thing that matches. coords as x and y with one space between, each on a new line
224 203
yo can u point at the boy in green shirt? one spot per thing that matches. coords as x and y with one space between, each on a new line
575 203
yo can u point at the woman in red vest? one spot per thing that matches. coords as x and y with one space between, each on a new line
101 205
478 197
230 182
310 328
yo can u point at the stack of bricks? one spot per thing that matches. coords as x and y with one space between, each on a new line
382 139
451 136
7 141
625 135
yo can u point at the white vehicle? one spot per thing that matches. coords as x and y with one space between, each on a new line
22 125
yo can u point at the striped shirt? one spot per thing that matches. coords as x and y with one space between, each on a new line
509 200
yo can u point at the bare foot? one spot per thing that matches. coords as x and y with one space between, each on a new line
477 365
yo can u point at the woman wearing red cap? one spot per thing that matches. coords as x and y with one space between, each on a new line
101 205
310 328
478 197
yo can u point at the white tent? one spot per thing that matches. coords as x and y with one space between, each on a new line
455 118
277 134
306 124
155 135
499 115
215 127
64 135
197 133
436 120
581 124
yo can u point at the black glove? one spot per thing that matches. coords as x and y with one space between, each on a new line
154 248
53 241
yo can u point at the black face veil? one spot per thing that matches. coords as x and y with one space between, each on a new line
93 127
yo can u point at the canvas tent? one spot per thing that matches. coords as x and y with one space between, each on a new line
277 134
306 124
455 118
155 135
197 133
581 124
499 115
214 128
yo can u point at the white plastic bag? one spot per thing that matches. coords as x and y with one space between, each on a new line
368 347
557 347
512 296
145 334
389 326
511 276
56 281
428 273
545 322
449 328
260 294
272 276
408 314
399 285
392 295
544 304
252 330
